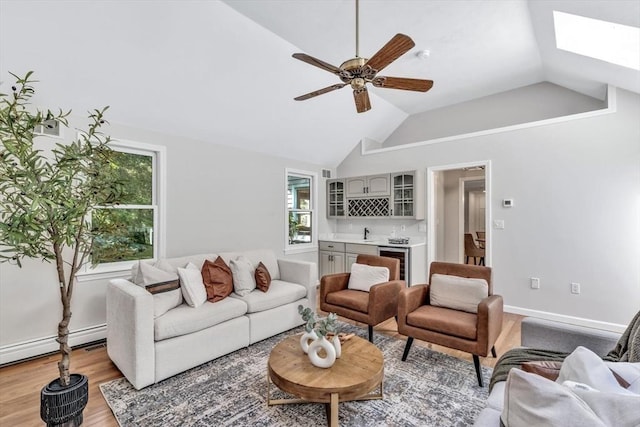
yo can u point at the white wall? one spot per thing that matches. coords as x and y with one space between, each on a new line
531 103
219 198
576 187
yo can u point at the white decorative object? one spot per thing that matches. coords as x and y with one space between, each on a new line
306 339
330 351
337 346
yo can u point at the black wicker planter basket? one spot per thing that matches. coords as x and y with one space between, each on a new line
63 406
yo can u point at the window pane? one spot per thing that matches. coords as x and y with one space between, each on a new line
122 234
299 227
299 192
136 171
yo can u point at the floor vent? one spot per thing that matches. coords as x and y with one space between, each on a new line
96 346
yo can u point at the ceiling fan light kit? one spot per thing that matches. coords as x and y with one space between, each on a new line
358 71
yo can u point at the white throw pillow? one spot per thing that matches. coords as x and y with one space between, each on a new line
363 276
458 293
145 275
242 270
532 400
192 285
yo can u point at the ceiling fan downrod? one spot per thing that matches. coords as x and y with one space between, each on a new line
357 30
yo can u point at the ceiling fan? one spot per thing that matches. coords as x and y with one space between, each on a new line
357 72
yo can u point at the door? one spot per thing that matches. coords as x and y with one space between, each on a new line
446 213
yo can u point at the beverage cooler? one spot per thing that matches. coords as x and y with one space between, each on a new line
403 255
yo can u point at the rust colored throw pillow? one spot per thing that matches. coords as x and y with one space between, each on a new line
547 369
263 278
217 278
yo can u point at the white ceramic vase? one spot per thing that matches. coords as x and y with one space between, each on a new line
337 346
306 339
330 351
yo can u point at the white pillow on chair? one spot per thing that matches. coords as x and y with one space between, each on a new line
458 293
363 276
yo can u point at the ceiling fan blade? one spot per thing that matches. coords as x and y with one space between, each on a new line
394 49
417 85
320 91
361 97
321 64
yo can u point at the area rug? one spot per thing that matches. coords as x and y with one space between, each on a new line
429 389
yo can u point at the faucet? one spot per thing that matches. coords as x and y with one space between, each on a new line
366 233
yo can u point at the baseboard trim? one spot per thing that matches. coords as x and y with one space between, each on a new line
24 350
572 320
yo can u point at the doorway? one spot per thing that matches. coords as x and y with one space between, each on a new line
458 198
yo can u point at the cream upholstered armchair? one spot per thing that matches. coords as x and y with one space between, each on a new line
375 306
457 309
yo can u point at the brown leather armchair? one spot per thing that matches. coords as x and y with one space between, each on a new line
373 307
460 330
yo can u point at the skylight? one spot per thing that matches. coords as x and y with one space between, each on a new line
606 41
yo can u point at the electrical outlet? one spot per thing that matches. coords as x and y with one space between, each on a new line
403 228
575 288
535 282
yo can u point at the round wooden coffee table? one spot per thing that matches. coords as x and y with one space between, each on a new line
353 376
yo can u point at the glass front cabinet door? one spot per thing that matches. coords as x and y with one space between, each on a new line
336 198
405 199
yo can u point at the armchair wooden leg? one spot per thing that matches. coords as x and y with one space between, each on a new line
370 334
407 347
493 351
476 363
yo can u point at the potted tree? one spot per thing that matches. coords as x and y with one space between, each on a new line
46 198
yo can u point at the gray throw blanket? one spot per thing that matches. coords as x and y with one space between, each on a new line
626 350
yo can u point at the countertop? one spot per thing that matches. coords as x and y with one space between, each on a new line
373 240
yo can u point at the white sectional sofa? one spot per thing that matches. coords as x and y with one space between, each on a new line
547 335
148 349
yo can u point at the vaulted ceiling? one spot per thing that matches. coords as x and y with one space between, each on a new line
222 72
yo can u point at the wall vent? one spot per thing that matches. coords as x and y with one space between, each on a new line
326 173
48 128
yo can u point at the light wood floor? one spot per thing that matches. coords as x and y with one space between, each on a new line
20 384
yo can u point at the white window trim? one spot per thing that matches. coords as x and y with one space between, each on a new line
122 269
309 247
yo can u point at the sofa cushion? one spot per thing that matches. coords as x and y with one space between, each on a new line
184 320
146 275
439 319
280 293
263 278
217 278
458 293
266 256
243 275
192 285
363 276
355 300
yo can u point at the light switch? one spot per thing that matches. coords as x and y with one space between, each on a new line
498 224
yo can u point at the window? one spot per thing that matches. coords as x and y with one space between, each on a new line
607 41
132 229
300 196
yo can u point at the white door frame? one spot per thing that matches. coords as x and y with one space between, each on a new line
431 205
